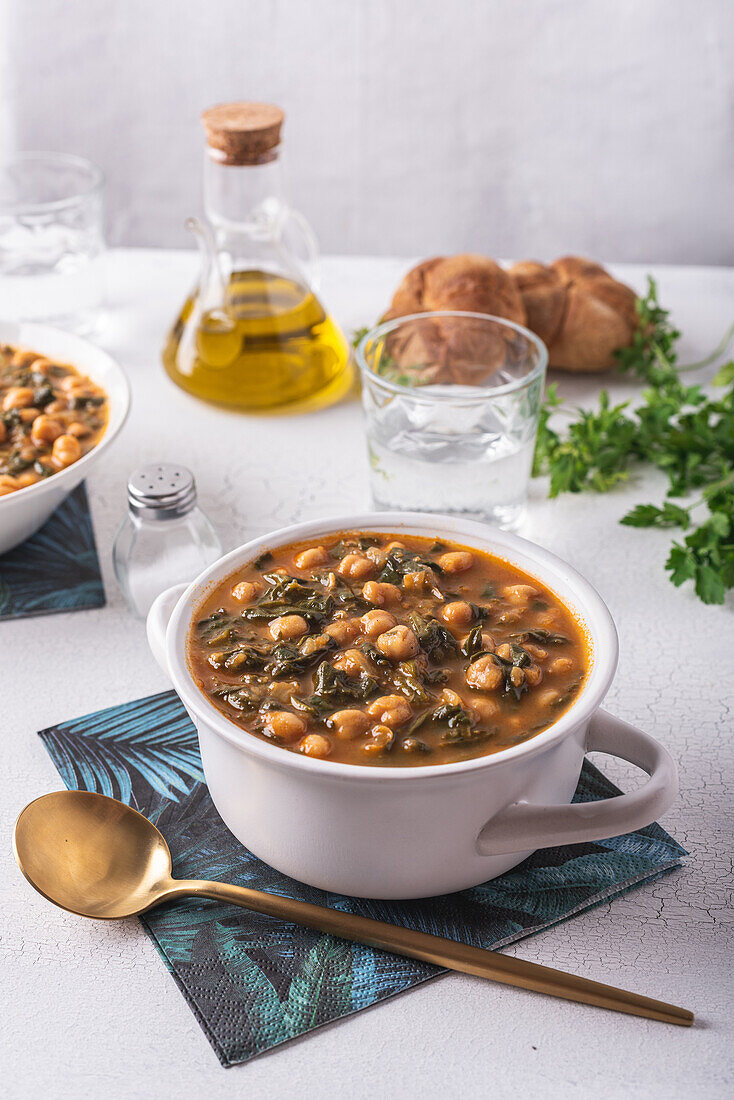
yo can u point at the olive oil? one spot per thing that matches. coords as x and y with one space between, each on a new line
270 346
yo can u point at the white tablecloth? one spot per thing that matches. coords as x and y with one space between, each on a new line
89 1009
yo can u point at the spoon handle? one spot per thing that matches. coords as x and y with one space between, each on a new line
436 950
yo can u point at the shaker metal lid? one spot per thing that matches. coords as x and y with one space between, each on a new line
162 490
243 133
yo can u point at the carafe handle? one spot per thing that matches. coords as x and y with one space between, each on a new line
308 265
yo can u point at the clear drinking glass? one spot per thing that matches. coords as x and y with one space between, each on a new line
51 240
452 402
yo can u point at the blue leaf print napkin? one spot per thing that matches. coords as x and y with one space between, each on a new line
57 569
254 982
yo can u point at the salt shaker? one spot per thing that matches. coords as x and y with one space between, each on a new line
165 538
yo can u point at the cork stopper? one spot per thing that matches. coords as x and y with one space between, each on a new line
243 133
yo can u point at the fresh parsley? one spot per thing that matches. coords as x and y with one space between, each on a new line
683 430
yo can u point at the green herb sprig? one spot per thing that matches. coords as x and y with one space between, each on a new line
685 432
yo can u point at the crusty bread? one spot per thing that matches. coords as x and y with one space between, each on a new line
578 310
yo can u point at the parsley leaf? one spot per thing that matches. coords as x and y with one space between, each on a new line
685 432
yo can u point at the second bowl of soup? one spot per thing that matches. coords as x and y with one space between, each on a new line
397 706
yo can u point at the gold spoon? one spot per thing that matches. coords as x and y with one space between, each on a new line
99 858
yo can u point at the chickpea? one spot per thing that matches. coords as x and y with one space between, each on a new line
377 555
57 406
23 358
245 591
72 384
3 431
533 675
355 567
283 690
348 724
28 415
8 484
504 651
314 643
456 561
519 593
381 593
548 698
484 674
374 623
535 651
549 618
45 430
517 677
66 451
40 365
315 744
78 430
353 662
17 397
285 725
485 709
343 631
315 555
380 739
288 627
390 710
509 618
398 644
561 664
451 697
457 613
395 545
28 478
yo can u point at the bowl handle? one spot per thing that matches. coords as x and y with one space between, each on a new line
523 827
157 621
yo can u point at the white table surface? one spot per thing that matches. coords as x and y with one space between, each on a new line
89 1010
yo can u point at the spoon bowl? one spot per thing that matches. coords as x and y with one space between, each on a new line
92 855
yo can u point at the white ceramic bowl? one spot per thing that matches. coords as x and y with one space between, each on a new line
414 832
25 510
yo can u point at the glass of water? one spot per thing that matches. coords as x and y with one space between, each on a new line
452 402
51 240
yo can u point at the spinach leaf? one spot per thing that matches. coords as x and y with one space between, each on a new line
458 722
377 658
435 640
218 627
43 396
543 637
409 680
239 698
286 660
401 561
520 657
290 596
333 688
473 643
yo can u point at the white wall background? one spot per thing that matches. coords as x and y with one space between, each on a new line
413 126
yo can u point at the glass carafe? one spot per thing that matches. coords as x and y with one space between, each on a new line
253 334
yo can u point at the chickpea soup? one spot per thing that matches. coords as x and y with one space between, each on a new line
50 415
387 650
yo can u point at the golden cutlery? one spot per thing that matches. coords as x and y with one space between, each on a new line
97 857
